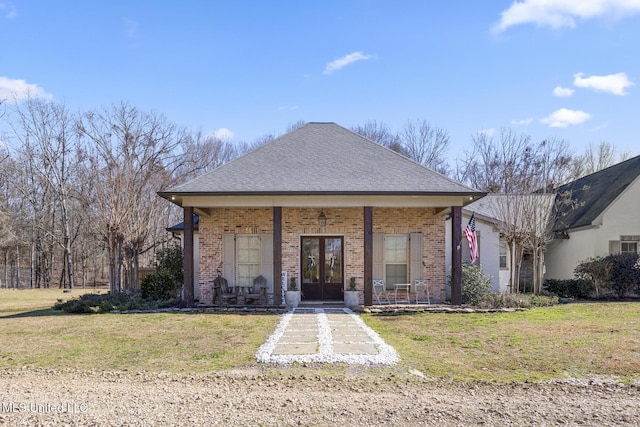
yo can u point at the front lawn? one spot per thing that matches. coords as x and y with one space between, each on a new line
573 340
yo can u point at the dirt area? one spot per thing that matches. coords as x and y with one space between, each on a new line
48 398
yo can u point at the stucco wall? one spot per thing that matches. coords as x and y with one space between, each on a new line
347 222
489 250
622 217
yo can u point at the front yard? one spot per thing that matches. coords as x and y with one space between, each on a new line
576 340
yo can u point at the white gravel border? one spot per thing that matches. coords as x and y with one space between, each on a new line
387 355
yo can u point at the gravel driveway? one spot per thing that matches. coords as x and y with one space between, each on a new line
253 397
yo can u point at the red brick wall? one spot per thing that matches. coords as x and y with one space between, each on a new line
347 222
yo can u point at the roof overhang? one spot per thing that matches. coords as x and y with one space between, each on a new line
203 201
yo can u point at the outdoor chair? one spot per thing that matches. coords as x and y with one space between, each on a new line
259 291
404 289
422 291
380 292
223 292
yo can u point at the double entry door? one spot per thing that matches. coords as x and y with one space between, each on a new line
322 268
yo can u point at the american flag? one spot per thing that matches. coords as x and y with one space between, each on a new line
470 233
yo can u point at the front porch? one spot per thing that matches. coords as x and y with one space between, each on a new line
392 244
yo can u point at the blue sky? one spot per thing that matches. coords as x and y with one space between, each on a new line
567 69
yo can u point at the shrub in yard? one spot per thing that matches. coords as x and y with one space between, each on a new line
570 288
159 286
625 274
503 300
597 271
166 281
104 303
542 300
475 283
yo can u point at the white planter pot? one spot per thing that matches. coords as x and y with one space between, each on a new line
351 298
292 298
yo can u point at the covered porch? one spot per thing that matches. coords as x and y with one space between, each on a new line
323 249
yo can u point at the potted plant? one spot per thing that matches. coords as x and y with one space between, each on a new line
292 297
351 296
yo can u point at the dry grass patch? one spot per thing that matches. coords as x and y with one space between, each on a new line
15 301
32 335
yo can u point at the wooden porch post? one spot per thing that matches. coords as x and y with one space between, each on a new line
188 257
368 255
456 255
277 256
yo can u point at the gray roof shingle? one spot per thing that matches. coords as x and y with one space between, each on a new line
580 202
322 158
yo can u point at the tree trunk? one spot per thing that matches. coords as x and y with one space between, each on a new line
136 267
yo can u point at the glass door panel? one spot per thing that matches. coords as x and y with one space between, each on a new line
333 277
322 268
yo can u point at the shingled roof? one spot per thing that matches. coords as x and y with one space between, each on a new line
580 202
321 158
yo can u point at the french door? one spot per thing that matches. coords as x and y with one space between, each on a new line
322 268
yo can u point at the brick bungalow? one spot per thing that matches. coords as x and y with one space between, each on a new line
322 204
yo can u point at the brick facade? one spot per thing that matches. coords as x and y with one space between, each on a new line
347 222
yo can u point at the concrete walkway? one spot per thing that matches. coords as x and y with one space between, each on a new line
325 335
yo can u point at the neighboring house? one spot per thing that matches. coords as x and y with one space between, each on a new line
596 215
321 204
493 251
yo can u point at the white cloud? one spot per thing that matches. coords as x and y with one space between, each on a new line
340 63
564 117
223 134
522 122
489 132
8 10
563 91
131 27
612 83
563 13
18 90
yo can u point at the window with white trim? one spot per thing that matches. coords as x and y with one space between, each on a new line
628 247
503 253
248 258
396 259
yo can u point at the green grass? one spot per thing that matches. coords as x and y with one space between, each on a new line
33 335
574 340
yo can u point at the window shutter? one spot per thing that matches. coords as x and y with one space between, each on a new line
229 258
266 251
415 257
378 256
464 244
614 247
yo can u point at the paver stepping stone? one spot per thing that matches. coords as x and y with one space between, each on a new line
326 336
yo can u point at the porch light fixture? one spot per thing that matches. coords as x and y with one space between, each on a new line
322 219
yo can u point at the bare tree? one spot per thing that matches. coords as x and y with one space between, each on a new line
522 172
426 144
512 163
130 157
379 132
45 133
596 158
295 125
201 154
